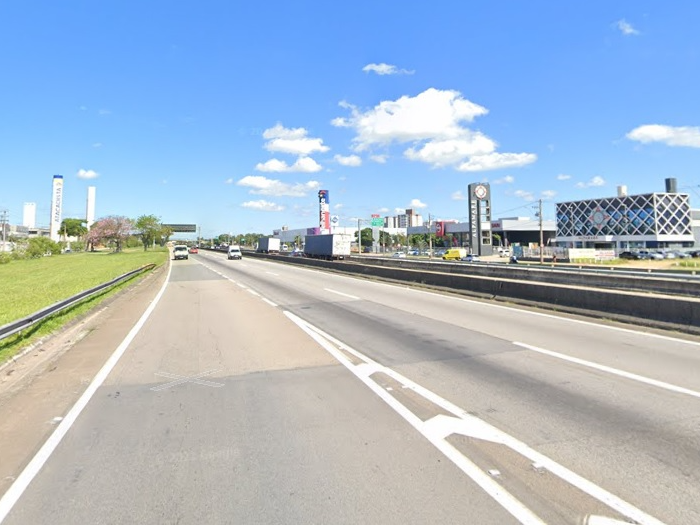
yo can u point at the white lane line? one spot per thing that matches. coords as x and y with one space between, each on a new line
610 370
37 462
519 511
269 302
273 273
438 428
341 293
253 292
517 310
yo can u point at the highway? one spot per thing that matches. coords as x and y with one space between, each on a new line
257 392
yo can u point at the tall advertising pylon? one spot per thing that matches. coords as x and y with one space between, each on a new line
324 212
56 207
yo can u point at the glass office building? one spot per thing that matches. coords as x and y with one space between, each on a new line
653 220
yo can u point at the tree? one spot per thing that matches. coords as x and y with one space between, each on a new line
40 246
73 227
149 228
164 234
114 229
497 239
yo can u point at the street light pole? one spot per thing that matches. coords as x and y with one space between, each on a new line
430 237
541 234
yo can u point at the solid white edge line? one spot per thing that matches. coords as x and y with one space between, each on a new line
610 370
465 424
493 489
10 498
269 302
341 293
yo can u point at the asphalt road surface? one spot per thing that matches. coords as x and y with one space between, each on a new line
257 392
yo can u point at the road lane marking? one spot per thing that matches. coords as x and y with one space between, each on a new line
438 428
179 380
610 370
17 488
252 292
341 293
273 273
269 302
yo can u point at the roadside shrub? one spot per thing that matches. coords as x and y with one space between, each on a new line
40 246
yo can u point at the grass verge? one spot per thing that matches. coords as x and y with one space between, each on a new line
29 286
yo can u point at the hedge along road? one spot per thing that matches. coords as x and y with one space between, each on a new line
30 285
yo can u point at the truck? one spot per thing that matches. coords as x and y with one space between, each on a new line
328 246
268 245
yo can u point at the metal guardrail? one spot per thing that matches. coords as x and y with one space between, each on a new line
17 326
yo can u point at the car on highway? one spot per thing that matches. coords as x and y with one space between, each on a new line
234 252
440 253
193 249
472 257
180 251
647 254
632 256
399 255
296 253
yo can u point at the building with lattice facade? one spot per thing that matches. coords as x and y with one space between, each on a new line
651 220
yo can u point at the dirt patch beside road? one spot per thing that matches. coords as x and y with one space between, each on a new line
39 389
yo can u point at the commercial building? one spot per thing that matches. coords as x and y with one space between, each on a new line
29 215
650 220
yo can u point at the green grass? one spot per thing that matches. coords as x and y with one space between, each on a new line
30 285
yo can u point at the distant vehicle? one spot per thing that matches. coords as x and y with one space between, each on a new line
414 252
503 252
193 249
180 251
682 255
285 248
694 253
296 253
268 245
646 254
454 254
440 253
399 255
629 255
329 246
472 257
234 252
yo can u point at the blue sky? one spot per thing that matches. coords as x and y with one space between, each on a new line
233 114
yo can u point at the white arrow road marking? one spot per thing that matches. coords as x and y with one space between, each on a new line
439 427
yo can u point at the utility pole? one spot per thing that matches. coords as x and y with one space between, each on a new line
430 237
539 213
4 221
359 237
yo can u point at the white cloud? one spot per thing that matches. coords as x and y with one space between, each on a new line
400 211
626 28
380 159
494 161
383 210
525 195
350 160
563 176
595 181
338 206
508 179
87 174
671 136
429 115
416 203
292 140
302 164
97 145
432 123
229 181
263 186
262 205
386 69
548 194
446 152
458 196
